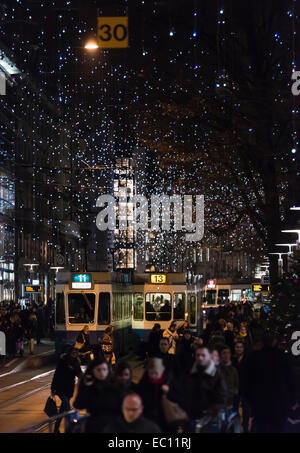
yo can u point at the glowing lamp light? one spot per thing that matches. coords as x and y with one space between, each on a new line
91 45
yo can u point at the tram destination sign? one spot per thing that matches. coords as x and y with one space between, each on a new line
158 278
81 281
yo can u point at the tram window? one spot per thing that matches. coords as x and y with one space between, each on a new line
60 317
192 309
179 302
211 297
236 295
117 306
128 305
138 307
81 308
104 309
222 294
158 307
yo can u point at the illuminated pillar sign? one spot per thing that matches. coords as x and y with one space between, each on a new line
211 283
81 281
33 288
260 288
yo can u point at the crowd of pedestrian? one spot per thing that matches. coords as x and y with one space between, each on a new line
25 324
234 368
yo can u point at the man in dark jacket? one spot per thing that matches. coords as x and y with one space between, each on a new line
231 377
168 359
269 387
203 389
132 419
153 340
185 352
63 382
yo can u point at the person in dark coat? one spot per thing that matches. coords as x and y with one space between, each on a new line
239 361
185 352
30 331
169 360
229 336
153 384
123 378
153 341
269 387
99 395
132 419
231 377
63 382
203 389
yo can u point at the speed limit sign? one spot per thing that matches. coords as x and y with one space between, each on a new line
112 32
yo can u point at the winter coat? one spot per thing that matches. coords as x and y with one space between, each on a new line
229 339
141 425
151 394
31 327
185 355
153 343
240 366
169 361
231 377
63 382
102 400
127 388
200 390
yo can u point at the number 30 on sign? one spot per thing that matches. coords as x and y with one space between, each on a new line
112 32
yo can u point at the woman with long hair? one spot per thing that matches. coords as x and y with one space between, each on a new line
99 395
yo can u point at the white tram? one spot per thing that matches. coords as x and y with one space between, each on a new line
161 298
96 299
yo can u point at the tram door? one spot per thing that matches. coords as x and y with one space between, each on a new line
192 310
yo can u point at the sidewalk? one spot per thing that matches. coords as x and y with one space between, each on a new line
43 354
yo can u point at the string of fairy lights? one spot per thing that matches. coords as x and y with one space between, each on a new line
80 111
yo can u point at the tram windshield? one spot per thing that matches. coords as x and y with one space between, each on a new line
81 308
158 307
211 297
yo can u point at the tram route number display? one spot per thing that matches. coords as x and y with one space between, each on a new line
158 278
112 32
81 281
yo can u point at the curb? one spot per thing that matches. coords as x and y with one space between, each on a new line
34 361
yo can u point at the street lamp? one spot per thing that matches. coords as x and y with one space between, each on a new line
289 246
280 262
289 252
31 266
293 231
57 268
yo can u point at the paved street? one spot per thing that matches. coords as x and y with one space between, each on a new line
23 395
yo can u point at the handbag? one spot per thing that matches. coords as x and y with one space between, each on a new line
78 345
50 407
172 411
